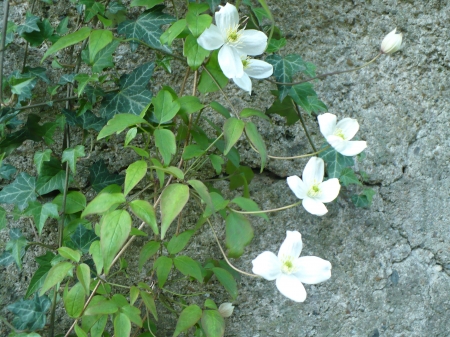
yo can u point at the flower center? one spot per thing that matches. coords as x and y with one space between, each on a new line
313 191
233 34
246 63
287 265
339 133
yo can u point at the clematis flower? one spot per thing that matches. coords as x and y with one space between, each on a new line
232 41
252 68
339 135
289 270
312 189
226 309
391 43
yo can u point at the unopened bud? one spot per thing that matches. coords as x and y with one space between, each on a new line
391 43
226 309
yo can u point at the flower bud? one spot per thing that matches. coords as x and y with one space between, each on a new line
226 309
391 43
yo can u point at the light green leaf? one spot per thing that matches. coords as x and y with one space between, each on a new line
145 211
75 202
119 123
162 265
131 134
213 323
37 280
40 158
172 170
71 155
55 275
149 303
348 177
96 254
194 53
188 267
98 40
74 300
172 32
255 138
103 202
122 325
115 228
178 242
213 76
227 280
249 205
166 144
79 331
166 106
202 191
197 23
2 218
173 199
134 174
147 3
103 306
41 213
84 275
69 253
232 130
20 192
188 318
247 112
104 58
238 234
68 40
190 104
192 151
216 162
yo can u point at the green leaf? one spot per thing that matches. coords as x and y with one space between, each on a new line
232 130
6 171
252 112
133 314
79 331
55 275
119 123
188 267
147 3
122 325
166 106
175 171
104 58
348 177
70 155
40 158
36 37
62 26
194 53
166 144
2 218
84 276
149 249
30 24
30 314
98 40
82 238
302 94
146 28
15 248
20 192
68 40
283 70
197 23
219 204
192 151
249 205
335 161
188 318
149 303
134 174
213 323
100 177
37 280
238 234
173 199
41 213
202 191
145 211
103 306
103 202
275 45
213 76
83 80
255 138
74 300
316 105
96 253
75 202
189 104
52 177
227 280
178 242
133 95
114 232
173 32
364 199
220 109
69 253
162 266
216 162
87 121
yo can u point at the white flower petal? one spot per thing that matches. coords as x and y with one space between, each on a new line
258 69
230 62
227 17
312 269
211 38
252 42
349 127
329 190
297 186
291 287
345 147
267 265
313 171
291 246
314 206
244 82
327 124
226 309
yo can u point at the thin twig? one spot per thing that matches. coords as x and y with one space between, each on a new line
303 125
266 210
2 45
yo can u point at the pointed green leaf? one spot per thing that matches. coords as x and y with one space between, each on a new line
147 3
70 254
188 267
190 104
149 249
232 130
55 275
178 242
249 205
104 58
255 138
227 280
68 40
364 199
15 248
98 40
30 314
2 218
96 253
149 303
41 213
134 174
302 94
166 144
103 202
216 162
74 300
122 325
82 238
75 202
238 234
40 158
335 161
79 331
103 306
166 106
194 53
84 276
245 113
6 171
37 280
197 23
202 191
214 76
119 123
162 265
52 177
173 199
20 192
173 32
30 24
71 155
348 177
213 323
188 318
145 211
100 177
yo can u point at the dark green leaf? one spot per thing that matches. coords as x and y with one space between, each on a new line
30 25
258 142
35 38
100 177
82 238
232 130
104 58
20 192
6 258
335 161
238 234
364 199
220 109
146 3
316 105
30 314
178 242
38 72
188 318
71 155
41 213
2 218
55 275
15 247
51 178
162 265
275 45
213 4
6 171
87 121
302 94
188 267
348 177
40 158
37 280
149 249
227 280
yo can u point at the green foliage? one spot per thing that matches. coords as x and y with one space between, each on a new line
364 199
238 234
21 192
188 318
100 177
173 199
30 314
335 161
15 249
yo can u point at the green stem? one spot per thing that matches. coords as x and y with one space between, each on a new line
303 125
207 149
33 243
2 46
266 210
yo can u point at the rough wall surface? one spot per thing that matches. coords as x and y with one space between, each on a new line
390 262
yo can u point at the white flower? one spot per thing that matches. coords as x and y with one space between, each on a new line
226 309
391 43
313 190
289 270
339 135
232 41
252 68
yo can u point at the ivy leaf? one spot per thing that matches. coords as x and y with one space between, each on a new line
2 218
38 278
30 25
41 213
71 155
364 199
274 45
133 95
284 108
335 161
51 178
36 37
348 177
30 314
82 238
104 58
16 246
303 94
283 70
38 72
20 192
100 177
87 121
6 258
6 171
146 28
